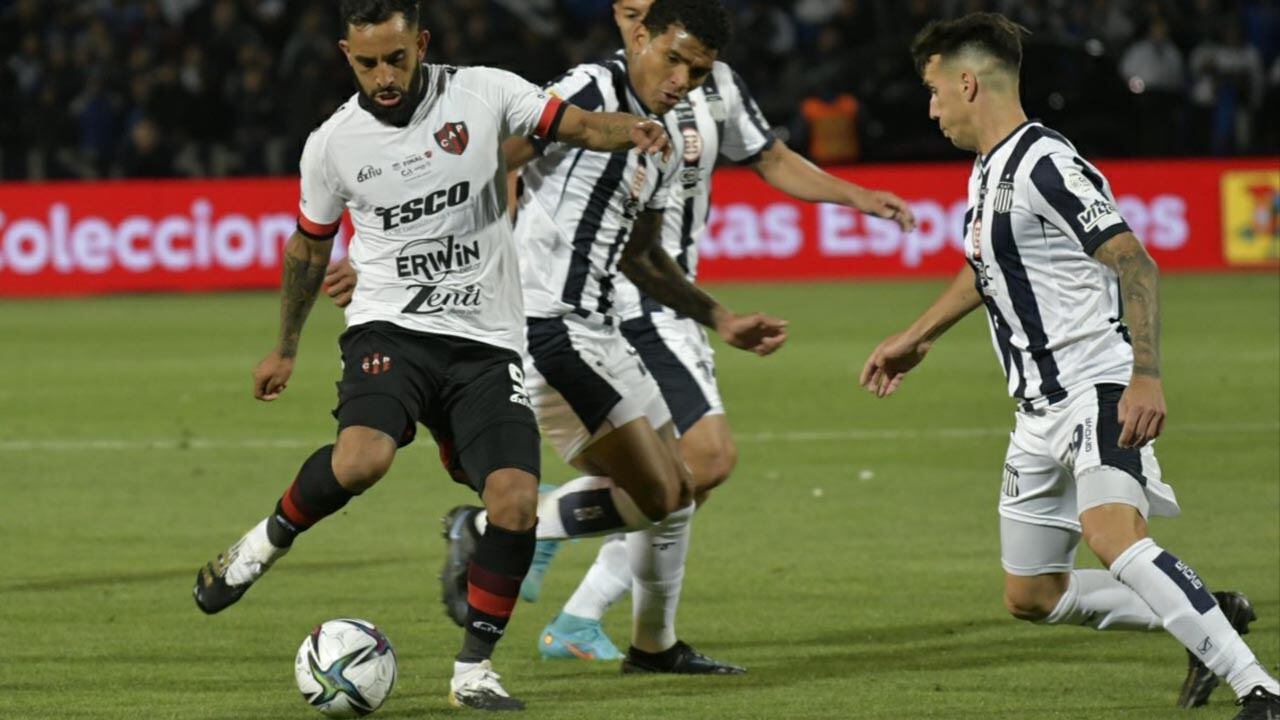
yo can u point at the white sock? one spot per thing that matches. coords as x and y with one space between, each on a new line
583 507
657 563
608 579
1190 613
1097 600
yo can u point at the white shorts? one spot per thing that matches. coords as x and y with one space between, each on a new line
678 354
1061 461
584 380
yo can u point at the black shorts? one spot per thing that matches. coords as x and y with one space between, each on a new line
469 394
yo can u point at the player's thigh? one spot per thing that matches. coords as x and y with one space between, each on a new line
709 451
490 423
584 382
1039 527
644 464
1106 474
682 362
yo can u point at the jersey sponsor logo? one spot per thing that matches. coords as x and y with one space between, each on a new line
433 202
452 138
368 172
430 262
1096 214
375 364
692 144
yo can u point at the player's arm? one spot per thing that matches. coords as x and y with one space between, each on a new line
792 173
304 263
653 271
1142 410
610 131
892 359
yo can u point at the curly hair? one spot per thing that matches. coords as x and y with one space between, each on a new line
990 33
706 20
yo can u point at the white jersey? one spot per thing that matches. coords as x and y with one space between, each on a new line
578 206
719 118
432 243
1037 213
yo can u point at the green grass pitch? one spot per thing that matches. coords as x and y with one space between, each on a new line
852 562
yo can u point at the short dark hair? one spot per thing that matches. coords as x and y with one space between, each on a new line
991 33
372 12
706 20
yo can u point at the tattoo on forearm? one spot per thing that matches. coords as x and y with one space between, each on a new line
1139 291
303 275
657 275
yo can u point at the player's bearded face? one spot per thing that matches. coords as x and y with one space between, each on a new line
665 68
387 60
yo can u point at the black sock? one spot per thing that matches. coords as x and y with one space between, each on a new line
314 495
501 561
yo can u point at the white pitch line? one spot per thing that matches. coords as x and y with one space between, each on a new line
797 436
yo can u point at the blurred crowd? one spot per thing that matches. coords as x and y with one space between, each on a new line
167 88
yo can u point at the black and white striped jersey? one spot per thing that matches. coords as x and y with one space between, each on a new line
719 118
1037 213
578 206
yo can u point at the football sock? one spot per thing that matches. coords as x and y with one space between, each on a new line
583 507
657 556
493 585
606 581
314 495
1176 593
1097 600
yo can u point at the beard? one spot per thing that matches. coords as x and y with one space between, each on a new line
400 113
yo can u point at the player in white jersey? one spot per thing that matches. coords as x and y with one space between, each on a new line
1054 262
585 219
435 330
717 119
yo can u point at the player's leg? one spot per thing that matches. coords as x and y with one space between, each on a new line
1039 535
495 439
375 416
1117 488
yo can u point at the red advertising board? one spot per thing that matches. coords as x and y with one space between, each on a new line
87 238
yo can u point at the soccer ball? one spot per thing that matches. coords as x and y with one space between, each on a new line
345 668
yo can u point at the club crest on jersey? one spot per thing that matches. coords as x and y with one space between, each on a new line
453 137
1002 201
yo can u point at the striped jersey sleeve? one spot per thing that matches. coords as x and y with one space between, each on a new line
1075 198
526 110
746 131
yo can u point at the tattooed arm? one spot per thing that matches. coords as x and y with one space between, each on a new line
304 268
1142 408
647 265
611 131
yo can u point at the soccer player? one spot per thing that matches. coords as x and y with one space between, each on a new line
586 219
1053 262
718 118
435 329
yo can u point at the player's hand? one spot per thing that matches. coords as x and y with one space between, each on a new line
271 376
340 282
889 363
886 205
1142 412
650 137
756 332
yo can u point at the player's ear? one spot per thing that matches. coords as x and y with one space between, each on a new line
345 47
424 39
639 36
969 85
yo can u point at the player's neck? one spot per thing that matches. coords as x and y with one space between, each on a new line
999 124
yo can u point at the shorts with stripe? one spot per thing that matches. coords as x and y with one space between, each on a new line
1052 452
584 380
678 354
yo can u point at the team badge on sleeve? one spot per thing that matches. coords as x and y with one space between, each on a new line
453 137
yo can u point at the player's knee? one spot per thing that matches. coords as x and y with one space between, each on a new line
511 497
358 465
670 493
713 467
1030 607
1109 542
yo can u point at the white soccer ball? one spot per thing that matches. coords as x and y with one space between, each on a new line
345 668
